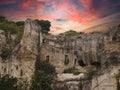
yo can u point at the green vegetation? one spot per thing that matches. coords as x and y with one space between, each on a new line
41 81
90 72
43 76
117 76
45 24
46 67
6 52
8 83
71 70
17 28
69 33
11 28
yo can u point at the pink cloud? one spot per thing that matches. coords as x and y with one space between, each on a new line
87 4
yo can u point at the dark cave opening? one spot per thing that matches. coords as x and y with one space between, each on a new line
47 58
96 64
81 63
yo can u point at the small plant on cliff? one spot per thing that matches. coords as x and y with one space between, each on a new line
117 76
8 83
6 52
90 72
71 70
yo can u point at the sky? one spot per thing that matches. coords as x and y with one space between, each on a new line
63 14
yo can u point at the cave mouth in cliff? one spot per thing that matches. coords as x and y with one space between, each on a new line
81 63
97 64
47 58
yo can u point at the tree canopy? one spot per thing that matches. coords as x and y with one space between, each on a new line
45 24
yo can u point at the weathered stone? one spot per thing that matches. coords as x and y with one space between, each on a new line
101 50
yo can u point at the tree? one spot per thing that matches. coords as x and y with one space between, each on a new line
45 25
20 23
2 18
41 81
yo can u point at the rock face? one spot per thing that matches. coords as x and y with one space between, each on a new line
68 82
22 62
81 50
100 50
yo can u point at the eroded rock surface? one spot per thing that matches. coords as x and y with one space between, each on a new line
100 50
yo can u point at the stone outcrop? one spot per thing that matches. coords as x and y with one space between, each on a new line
81 50
22 62
100 50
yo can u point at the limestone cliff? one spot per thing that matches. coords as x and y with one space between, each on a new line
100 50
81 51
21 64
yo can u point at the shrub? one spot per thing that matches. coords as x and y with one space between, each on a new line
117 76
41 81
71 70
46 67
43 76
10 27
8 83
89 73
5 53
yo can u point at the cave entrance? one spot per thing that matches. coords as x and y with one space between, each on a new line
96 64
66 62
47 58
81 63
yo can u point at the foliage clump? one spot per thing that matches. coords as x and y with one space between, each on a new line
8 83
11 28
69 33
45 25
43 76
5 53
41 81
46 67
71 70
90 72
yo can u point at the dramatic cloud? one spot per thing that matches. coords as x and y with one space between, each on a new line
64 14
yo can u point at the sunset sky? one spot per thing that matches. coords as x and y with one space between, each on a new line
63 14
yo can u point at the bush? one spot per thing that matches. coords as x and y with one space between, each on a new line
69 33
10 28
43 76
8 83
5 53
89 73
71 70
46 67
117 76
41 81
